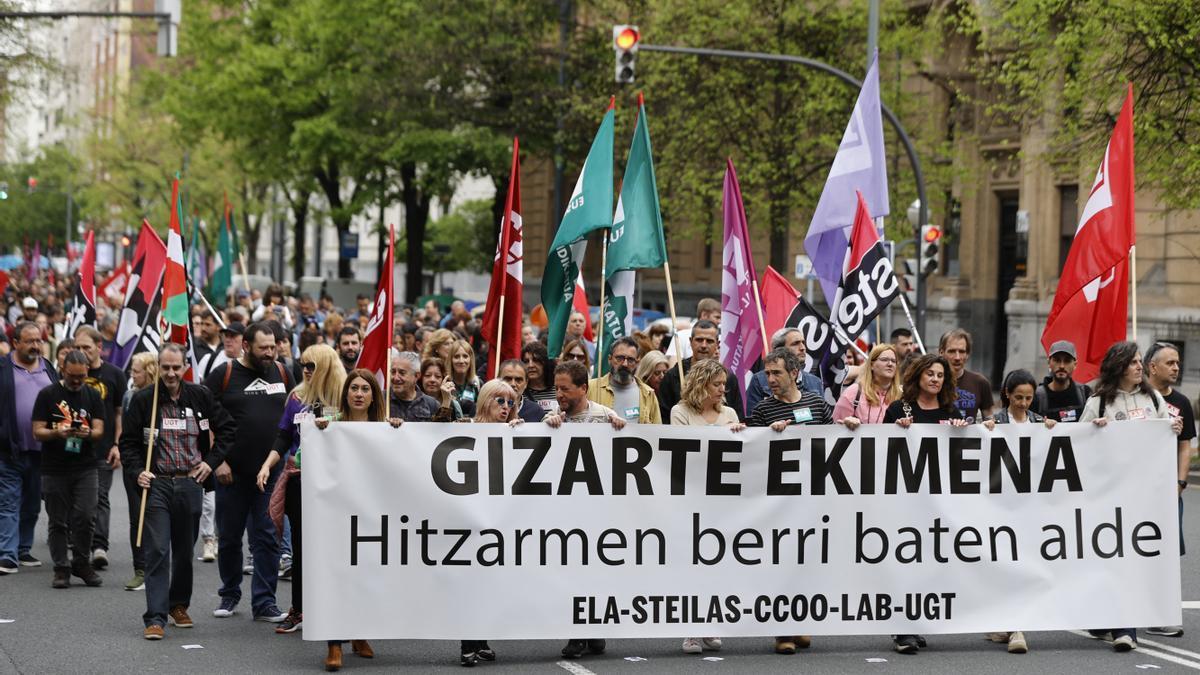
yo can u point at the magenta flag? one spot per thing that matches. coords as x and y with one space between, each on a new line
741 332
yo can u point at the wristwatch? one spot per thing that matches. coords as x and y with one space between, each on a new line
1183 485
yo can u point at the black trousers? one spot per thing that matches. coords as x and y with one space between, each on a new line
71 509
291 508
168 540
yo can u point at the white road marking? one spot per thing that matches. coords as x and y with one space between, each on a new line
1155 653
1191 604
572 667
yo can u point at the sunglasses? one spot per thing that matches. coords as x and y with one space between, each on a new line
309 366
506 402
575 356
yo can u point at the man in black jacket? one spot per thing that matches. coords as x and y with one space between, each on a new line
183 461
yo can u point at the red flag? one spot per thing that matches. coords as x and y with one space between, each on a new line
778 298
114 285
1091 301
4 279
84 310
503 331
378 340
580 304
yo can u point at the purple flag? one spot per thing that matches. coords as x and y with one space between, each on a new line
35 262
859 165
741 334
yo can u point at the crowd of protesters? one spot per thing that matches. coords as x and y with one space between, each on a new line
226 461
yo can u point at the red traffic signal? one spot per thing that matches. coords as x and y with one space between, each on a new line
625 37
32 183
931 233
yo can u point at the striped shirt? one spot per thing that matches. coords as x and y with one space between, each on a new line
810 409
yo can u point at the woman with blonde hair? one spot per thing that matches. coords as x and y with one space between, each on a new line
316 396
652 368
877 387
702 404
462 373
497 404
438 345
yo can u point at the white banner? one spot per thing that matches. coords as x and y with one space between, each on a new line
479 531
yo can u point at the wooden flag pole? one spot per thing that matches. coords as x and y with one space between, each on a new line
499 336
762 326
603 269
387 364
1133 279
150 444
674 331
242 262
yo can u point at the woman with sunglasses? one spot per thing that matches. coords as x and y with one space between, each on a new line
496 405
576 350
316 396
867 400
361 401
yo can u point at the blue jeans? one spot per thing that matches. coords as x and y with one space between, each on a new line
172 524
242 508
20 503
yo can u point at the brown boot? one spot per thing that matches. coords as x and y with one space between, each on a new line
362 648
334 660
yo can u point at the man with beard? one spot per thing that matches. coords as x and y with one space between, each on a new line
407 402
348 345
109 382
253 389
632 400
23 374
68 420
1060 397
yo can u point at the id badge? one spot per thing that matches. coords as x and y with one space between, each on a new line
1137 414
633 413
802 415
174 424
1067 416
468 395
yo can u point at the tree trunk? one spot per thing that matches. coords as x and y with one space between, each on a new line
299 229
416 217
778 214
329 179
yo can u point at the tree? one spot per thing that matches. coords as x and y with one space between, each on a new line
38 213
1069 61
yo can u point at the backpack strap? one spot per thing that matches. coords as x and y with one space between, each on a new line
1042 399
1103 405
283 374
228 372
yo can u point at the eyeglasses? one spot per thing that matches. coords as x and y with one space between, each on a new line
575 356
309 366
624 359
506 402
886 359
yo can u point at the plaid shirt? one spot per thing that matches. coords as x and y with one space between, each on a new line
176 450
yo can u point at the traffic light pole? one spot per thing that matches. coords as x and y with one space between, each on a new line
165 21
849 79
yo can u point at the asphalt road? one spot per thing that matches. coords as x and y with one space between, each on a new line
98 630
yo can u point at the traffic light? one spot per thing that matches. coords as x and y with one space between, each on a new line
3 191
909 280
930 236
625 46
31 184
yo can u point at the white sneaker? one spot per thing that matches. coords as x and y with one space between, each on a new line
712 644
692 646
99 559
209 553
1124 644
1016 643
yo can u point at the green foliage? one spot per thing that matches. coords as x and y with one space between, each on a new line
461 240
41 213
1068 62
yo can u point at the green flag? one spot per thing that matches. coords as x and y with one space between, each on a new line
589 209
222 272
635 241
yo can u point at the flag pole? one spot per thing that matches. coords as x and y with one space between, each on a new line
387 365
674 331
762 326
911 324
162 336
1133 279
603 266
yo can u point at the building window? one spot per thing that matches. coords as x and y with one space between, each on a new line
1068 220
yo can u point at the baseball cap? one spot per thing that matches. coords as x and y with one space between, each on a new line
29 303
1062 347
234 328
